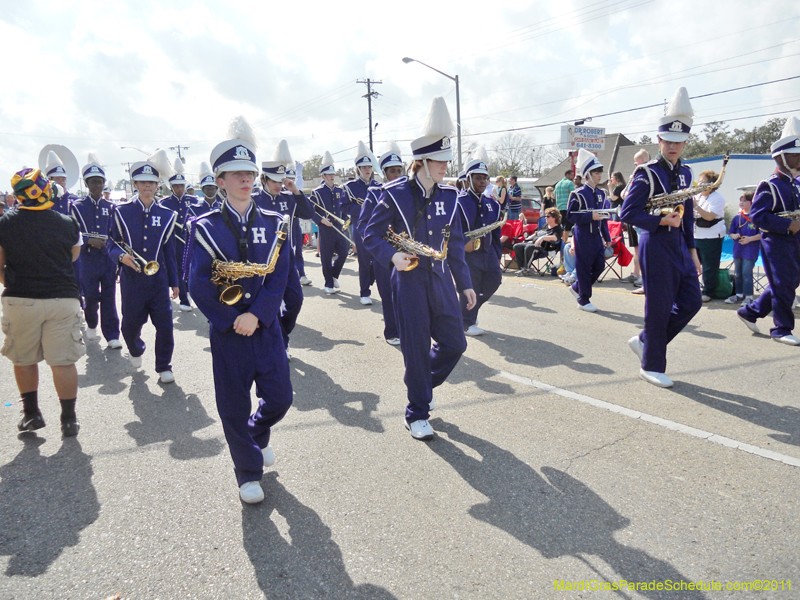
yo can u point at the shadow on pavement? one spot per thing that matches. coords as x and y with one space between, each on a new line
315 390
764 414
556 515
47 501
306 563
478 373
539 353
104 368
311 339
169 416
515 302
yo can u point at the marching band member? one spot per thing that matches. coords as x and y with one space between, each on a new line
208 185
356 195
330 196
478 210
780 243
295 173
246 341
184 206
146 228
391 164
590 233
426 303
56 171
292 203
98 273
666 245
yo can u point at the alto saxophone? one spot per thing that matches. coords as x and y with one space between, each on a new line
665 204
794 215
224 273
404 243
476 234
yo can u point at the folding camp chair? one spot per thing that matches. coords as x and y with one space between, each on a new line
512 232
545 263
622 256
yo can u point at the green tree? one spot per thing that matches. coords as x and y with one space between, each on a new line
311 167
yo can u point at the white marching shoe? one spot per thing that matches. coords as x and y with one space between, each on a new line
588 307
636 345
395 341
573 292
136 361
166 377
789 340
330 290
91 333
305 280
251 492
432 405
420 430
366 301
474 331
750 325
336 283
114 344
185 307
269 455
658 379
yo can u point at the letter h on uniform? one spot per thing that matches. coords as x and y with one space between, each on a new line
259 235
156 221
439 208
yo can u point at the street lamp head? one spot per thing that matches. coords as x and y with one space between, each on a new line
408 60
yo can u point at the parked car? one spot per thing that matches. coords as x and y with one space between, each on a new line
531 210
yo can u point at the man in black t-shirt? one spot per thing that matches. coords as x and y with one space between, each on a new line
41 302
539 243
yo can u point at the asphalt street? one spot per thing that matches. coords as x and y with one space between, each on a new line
554 466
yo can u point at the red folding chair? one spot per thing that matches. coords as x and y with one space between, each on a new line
622 257
510 234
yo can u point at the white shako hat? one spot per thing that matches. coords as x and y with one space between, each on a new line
238 152
363 156
462 176
479 163
179 178
586 162
206 175
790 138
677 121
55 168
392 157
327 165
155 168
435 141
92 167
276 168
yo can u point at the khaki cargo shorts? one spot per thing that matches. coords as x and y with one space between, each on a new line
39 330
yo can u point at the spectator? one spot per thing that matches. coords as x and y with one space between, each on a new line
641 157
2 206
549 200
578 181
746 245
616 184
514 199
562 191
501 191
540 242
709 210
570 275
41 301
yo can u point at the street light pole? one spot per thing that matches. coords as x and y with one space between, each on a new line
458 101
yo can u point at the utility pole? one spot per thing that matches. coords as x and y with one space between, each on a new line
369 96
128 170
178 148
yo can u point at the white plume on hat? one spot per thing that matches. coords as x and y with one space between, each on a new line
327 160
205 170
53 160
791 127
92 159
282 154
240 129
160 161
586 162
362 150
178 166
481 154
789 140
438 121
680 106
391 146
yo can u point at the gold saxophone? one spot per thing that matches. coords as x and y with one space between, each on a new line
794 215
665 204
404 243
476 234
224 273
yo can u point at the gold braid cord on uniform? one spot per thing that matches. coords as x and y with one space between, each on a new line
403 243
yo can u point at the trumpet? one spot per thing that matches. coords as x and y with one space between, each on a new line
605 213
476 234
345 225
223 273
404 243
665 204
150 267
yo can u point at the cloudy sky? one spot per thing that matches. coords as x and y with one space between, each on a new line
96 76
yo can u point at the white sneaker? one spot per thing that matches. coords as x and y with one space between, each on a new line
395 341
269 455
735 299
114 344
136 361
796 302
420 430
638 281
185 308
330 290
474 331
789 340
91 333
747 300
432 405
751 326
573 292
366 301
658 379
251 492
588 307
305 280
166 377
336 283
636 345
288 356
